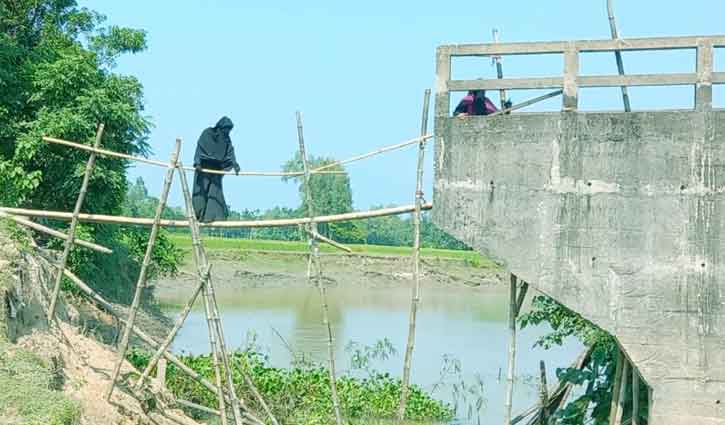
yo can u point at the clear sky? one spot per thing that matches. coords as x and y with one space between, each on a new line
357 71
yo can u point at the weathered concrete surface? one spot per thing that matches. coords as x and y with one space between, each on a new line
619 217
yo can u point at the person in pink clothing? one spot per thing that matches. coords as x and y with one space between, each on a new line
475 103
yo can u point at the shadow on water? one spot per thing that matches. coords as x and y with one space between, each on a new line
461 337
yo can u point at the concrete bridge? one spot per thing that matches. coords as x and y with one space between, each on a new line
617 215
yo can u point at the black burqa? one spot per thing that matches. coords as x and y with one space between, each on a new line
214 151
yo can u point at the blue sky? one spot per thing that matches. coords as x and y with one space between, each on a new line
357 71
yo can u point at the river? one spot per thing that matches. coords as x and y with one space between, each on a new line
466 327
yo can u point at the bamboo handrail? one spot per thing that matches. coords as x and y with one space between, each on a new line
113 219
320 170
328 241
373 153
52 232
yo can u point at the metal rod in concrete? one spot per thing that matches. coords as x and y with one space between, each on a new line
415 298
618 53
508 405
315 260
499 69
141 283
74 223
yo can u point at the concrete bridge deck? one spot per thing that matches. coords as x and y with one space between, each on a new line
619 216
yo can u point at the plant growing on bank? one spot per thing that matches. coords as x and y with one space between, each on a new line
301 395
593 406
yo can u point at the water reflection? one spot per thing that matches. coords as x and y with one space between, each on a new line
457 323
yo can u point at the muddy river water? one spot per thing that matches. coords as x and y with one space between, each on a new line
456 325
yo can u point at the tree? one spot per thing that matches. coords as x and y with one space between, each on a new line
331 193
56 78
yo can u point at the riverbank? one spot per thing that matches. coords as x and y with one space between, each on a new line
243 264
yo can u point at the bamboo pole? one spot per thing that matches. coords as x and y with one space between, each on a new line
52 232
111 219
204 271
499 69
618 372
622 394
141 283
214 307
526 103
110 308
635 396
543 394
158 163
315 258
328 241
523 289
415 298
618 54
74 223
382 150
512 352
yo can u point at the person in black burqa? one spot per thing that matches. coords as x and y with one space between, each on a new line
214 151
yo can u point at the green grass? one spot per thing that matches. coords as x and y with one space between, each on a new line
471 257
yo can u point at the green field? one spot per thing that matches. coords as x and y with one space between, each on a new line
471 257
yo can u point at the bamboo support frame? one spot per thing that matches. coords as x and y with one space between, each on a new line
508 404
315 260
618 53
110 219
107 306
55 233
415 296
543 394
74 223
635 396
328 241
618 416
618 372
523 289
141 283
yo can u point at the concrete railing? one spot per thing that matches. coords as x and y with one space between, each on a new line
571 81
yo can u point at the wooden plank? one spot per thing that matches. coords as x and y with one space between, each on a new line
507 83
558 47
112 219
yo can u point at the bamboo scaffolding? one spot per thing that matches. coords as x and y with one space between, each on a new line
526 103
315 259
111 219
74 223
543 394
622 393
111 309
512 352
618 372
382 150
158 163
635 396
415 296
211 296
52 232
328 241
141 283
523 289
618 53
